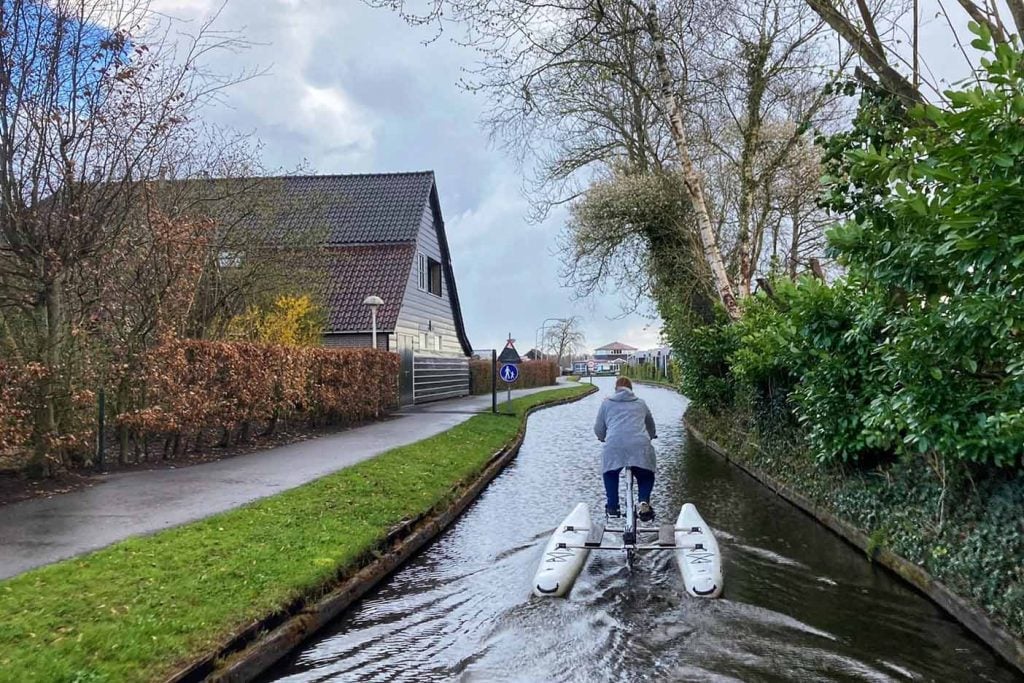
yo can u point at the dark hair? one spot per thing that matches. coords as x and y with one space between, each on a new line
623 382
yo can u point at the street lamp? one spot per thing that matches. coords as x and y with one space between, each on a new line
373 302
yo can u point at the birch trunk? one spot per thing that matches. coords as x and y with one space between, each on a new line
692 184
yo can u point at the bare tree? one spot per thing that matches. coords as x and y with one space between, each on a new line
592 89
525 42
96 98
565 338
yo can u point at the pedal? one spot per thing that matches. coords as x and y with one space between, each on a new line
595 535
666 535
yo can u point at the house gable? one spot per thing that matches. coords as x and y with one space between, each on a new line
431 321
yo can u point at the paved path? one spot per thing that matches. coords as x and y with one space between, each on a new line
44 530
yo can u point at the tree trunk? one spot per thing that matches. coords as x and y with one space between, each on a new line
692 184
48 315
794 243
745 209
756 83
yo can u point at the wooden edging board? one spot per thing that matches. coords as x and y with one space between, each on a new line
977 621
258 646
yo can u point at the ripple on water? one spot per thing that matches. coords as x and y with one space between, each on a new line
798 604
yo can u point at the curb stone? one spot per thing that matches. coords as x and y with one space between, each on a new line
988 630
258 646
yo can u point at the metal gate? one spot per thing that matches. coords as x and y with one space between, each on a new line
405 370
435 377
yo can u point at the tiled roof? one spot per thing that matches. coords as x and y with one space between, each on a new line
356 272
616 346
360 208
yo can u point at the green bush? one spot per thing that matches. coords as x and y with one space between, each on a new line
702 353
920 349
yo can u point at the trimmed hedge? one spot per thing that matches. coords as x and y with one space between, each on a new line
532 373
191 393
15 426
233 386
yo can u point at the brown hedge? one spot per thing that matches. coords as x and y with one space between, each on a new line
15 415
532 373
193 385
189 390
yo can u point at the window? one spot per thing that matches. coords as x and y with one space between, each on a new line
421 269
230 259
434 272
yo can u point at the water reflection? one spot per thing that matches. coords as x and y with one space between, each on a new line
799 604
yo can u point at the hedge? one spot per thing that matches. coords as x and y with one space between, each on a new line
192 392
532 373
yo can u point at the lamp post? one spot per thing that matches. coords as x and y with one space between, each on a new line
373 302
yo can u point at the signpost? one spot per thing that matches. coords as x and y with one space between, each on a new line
510 360
591 365
509 373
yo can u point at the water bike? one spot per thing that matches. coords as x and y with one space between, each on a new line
689 538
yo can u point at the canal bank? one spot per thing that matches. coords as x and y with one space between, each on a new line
260 645
779 472
148 608
799 603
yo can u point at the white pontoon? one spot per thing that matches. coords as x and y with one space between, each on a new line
690 538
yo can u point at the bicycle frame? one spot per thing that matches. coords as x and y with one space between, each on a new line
629 520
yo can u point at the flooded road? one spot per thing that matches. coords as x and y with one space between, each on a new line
799 604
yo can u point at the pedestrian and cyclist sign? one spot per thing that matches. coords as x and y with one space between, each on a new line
509 373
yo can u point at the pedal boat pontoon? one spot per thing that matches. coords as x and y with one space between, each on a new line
690 539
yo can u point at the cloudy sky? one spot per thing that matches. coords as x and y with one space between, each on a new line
353 89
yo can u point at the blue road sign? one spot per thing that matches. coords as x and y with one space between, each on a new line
509 373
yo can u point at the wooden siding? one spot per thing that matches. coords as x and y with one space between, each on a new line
424 315
357 340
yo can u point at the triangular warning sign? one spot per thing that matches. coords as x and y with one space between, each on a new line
509 353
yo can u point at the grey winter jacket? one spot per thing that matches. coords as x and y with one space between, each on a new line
626 426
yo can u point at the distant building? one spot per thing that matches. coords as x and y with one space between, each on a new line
613 351
658 357
608 359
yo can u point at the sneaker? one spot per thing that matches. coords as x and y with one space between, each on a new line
645 512
612 512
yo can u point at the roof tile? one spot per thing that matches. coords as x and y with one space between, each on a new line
356 272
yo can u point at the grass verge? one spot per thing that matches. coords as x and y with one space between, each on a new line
138 609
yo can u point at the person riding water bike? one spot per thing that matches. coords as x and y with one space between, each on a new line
625 425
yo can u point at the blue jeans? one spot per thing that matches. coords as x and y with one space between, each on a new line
644 483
